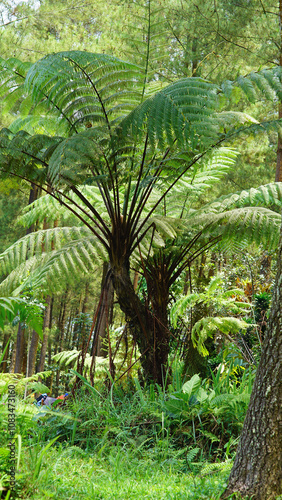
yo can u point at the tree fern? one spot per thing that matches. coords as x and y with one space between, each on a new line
97 83
265 83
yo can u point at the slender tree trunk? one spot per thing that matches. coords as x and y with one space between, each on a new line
32 353
83 334
257 470
46 324
61 332
21 341
105 314
13 358
20 347
6 340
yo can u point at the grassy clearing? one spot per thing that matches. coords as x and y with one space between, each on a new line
129 442
71 473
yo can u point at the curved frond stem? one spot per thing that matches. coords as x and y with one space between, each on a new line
152 225
54 104
106 191
74 212
193 256
198 157
147 193
30 155
136 190
96 92
103 227
187 247
106 199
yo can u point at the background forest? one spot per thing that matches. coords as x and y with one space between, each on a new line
140 212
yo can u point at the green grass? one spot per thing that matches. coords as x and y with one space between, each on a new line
129 443
70 473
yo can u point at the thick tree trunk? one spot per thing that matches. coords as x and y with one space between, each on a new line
257 470
150 334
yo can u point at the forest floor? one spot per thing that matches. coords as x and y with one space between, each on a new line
70 473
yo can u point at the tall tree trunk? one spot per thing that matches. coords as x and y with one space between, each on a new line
257 471
21 341
150 334
61 333
46 324
20 347
32 353
105 315
83 334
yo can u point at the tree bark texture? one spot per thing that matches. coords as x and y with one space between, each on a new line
20 347
46 324
150 334
257 470
105 314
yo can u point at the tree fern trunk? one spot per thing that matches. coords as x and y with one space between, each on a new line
149 334
257 471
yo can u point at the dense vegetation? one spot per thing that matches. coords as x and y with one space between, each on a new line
139 249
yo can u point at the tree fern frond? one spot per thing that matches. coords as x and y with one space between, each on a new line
253 224
184 110
268 195
81 77
208 326
12 76
66 265
265 83
36 243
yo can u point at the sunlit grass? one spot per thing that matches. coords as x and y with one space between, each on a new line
71 473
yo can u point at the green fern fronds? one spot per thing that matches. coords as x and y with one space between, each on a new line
207 327
265 83
99 85
183 111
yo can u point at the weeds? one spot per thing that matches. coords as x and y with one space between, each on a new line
132 442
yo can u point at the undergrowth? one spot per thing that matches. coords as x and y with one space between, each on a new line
130 442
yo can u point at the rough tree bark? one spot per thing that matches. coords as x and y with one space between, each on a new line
149 334
257 470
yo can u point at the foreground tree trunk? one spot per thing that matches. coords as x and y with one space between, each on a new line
257 470
150 334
